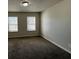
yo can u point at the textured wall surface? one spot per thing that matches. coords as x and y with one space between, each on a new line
22 24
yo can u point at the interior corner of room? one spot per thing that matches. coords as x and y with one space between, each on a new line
53 21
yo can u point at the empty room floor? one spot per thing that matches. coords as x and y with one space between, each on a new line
34 48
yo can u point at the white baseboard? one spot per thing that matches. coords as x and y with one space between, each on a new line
56 44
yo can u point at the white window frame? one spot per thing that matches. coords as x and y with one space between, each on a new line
9 30
31 30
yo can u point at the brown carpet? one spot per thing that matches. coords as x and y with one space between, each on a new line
34 48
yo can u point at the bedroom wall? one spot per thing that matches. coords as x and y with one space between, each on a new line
56 24
22 24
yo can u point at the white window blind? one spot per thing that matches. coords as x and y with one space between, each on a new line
31 23
12 24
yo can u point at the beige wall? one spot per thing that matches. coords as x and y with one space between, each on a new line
56 24
22 24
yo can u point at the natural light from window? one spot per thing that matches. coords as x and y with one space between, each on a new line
13 24
31 23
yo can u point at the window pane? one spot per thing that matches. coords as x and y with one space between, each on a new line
13 24
31 20
13 28
31 28
31 23
12 20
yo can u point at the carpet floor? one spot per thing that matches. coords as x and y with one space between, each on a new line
34 48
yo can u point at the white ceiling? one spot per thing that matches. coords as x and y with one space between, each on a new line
36 5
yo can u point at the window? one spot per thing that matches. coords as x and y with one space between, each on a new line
31 23
12 24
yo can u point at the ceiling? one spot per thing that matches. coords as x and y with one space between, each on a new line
35 6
